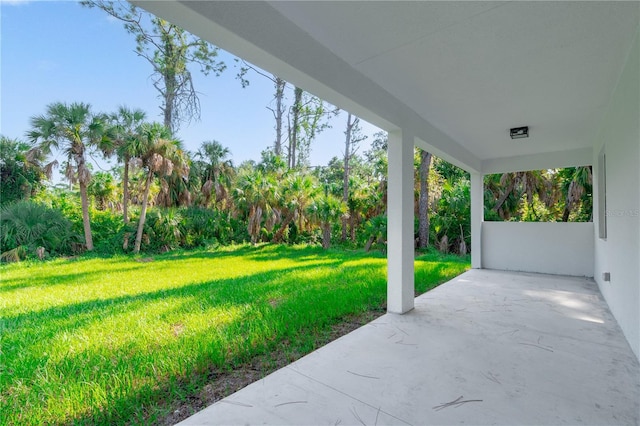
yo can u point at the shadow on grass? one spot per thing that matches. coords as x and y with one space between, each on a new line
23 332
300 319
285 308
59 279
70 316
258 253
272 252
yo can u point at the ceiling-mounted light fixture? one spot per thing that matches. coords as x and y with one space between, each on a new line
520 132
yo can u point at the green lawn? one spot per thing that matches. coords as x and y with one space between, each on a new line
126 340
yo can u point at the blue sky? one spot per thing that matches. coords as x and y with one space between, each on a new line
60 51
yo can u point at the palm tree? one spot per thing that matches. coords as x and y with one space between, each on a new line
376 228
159 153
540 183
423 200
255 192
25 226
299 191
365 201
125 132
217 170
103 189
21 170
175 188
451 223
508 192
576 185
272 163
503 192
74 130
326 210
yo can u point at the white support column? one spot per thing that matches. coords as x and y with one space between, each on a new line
400 242
477 217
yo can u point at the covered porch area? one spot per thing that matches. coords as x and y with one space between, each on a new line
454 78
489 347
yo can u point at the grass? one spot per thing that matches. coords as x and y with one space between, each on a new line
127 340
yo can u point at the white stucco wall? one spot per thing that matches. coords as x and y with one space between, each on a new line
545 247
619 253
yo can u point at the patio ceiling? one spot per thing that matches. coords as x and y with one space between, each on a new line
457 75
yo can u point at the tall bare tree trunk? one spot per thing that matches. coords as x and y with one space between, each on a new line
326 235
423 201
167 110
83 180
125 191
86 222
571 200
168 95
347 157
143 213
294 127
255 219
278 113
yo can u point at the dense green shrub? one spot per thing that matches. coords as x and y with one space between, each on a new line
109 231
65 201
162 230
376 231
171 228
107 226
451 227
26 225
20 172
202 227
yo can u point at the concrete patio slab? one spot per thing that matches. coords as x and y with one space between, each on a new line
488 347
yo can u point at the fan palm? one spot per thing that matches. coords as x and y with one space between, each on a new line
160 153
298 192
103 189
576 186
21 170
73 129
217 170
175 188
26 225
125 133
326 210
376 228
255 192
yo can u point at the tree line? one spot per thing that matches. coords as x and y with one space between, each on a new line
161 197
